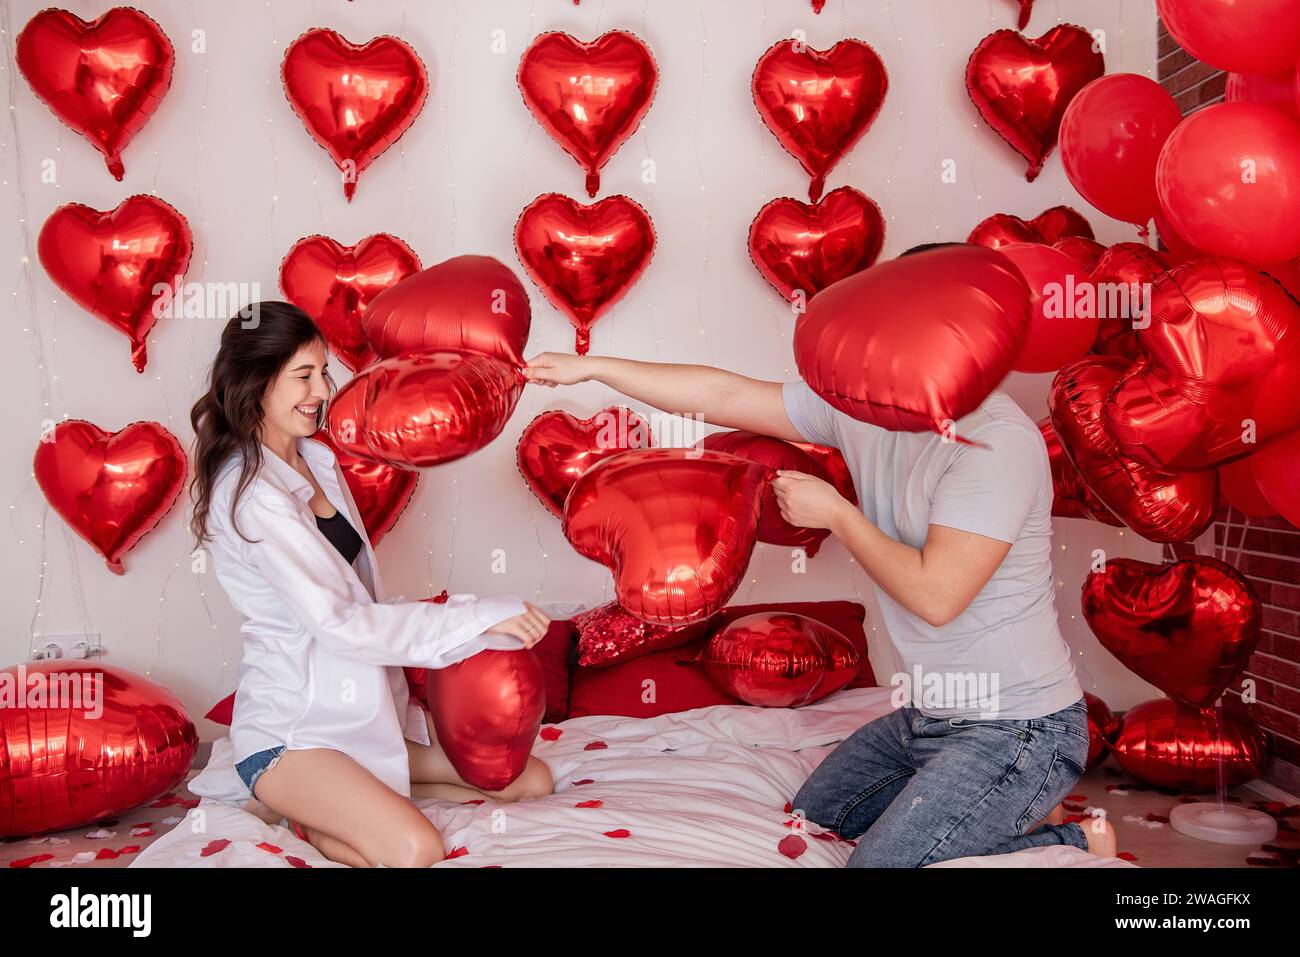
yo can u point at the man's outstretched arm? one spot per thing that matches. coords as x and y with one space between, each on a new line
720 397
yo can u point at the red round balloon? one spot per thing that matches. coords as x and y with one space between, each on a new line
356 100
1071 497
589 97
85 741
1271 89
556 448
1188 627
104 79
1103 726
1169 745
381 492
1276 469
1238 488
1229 182
1250 36
947 349
819 103
779 660
802 249
1057 335
1022 87
608 635
1111 136
123 266
112 488
335 284
1130 271
584 258
675 526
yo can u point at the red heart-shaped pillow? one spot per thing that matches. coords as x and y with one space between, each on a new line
776 660
556 448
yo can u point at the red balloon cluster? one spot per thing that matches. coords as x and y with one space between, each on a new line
779 660
556 448
1170 745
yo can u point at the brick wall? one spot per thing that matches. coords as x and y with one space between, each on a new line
1267 550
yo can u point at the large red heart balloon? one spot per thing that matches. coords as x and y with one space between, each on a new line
1222 373
832 461
1157 505
1188 627
381 492
584 258
1071 497
802 249
774 454
486 712
779 660
818 103
122 266
608 635
947 350
590 97
425 408
1169 745
112 488
556 448
104 79
356 100
335 284
468 303
1131 271
84 741
1059 330
1021 86
1049 226
675 526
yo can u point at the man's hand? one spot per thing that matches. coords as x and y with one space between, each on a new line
557 368
530 627
808 502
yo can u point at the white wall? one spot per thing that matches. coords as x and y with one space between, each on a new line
226 150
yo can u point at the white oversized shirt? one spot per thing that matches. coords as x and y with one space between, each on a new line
322 653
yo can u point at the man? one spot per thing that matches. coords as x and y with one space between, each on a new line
957 538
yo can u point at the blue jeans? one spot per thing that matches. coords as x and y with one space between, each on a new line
255 765
915 790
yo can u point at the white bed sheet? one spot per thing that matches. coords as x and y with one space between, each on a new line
702 788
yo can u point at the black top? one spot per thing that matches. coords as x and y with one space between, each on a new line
341 535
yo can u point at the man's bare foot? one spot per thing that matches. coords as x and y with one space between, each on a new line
1102 840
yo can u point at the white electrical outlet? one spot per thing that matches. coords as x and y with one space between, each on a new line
72 645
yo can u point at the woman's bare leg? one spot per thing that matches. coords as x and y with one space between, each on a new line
432 775
349 814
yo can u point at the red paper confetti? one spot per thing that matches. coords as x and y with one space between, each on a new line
1076 797
595 746
270 848
474 801
296 861
107 854
593 803
792 846
129 849
1126 856
551 734
214 847
29 861
789 808
456 852
584 781
620 832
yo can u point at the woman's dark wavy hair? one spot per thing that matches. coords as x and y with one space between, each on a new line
256 344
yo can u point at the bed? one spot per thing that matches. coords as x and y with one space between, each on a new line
702 788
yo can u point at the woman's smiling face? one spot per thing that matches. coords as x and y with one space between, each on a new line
295 398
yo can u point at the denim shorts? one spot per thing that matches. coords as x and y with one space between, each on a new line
255 765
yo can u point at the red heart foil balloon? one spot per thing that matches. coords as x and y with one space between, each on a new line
832 461
1049 227
335 284
1276 471
1239 488
381 492
777 660
1021 86
486 712
112 488
426 408
774 454
1026 11
1103 726
82 741
1061 221
819 103
356 100
1159 506
1222 373
122 266
1071 497
1133 269
1188 627
1169 745
802 249
345 417
608 635
556 448
947 349
584 258
675 526
589 97
104 79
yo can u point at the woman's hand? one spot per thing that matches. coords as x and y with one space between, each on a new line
557 368
808 502
530 627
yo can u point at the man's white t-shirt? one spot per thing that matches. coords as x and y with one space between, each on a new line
1006 647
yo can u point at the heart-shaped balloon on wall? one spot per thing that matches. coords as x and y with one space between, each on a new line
584 258
801 249
1021 86
589 97
122 266
1049 226
103 78
779 660
356 100
819 103
1188 627
381 492
335 284
556 448
112 488
676 527
1071 497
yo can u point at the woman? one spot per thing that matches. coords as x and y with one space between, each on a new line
322 706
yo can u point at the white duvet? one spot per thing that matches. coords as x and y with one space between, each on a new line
703 788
